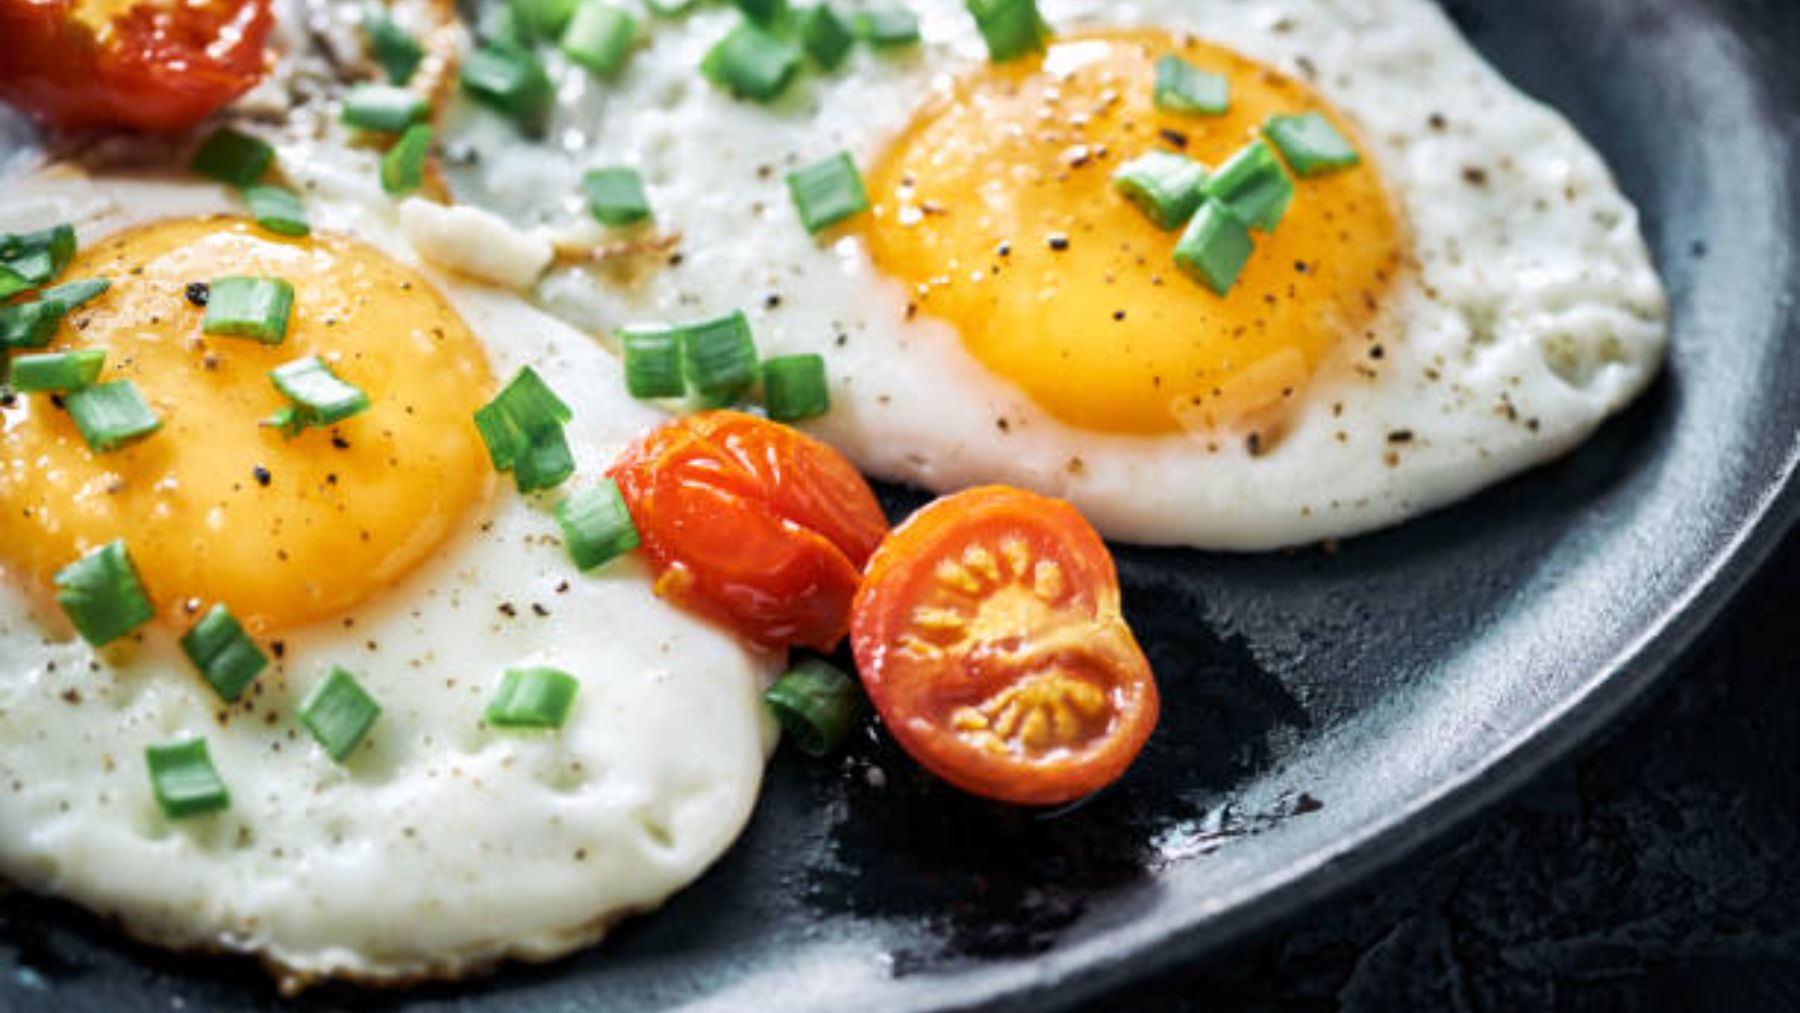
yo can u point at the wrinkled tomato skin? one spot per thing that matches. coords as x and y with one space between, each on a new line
753 524
159 66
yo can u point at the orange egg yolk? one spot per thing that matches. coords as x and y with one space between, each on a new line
215 507
997 211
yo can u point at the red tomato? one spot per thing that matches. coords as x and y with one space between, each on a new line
155 65
753 523
988 633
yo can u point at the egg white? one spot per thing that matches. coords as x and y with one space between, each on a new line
1535 311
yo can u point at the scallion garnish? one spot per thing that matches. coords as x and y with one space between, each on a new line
102 595
532 698
1311 144
752 63
596 525
403 165
1215 247
523 430
224 653
74 293
544 19
58 371
761 11
1011 28
339 713
30 324
277 209
794 387
824 36
384 108
1253 186
828 192
110 415
652 362
31 259
886 26
1166 187
670 8
319 398
398 53
183 779
1182 87
255 308
616 196
230 156
718 358
509 79
599 37
817 705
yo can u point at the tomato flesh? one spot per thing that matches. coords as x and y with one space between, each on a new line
988 632
753 523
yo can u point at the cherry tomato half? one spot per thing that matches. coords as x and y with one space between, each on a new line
753 523
158 65
988 633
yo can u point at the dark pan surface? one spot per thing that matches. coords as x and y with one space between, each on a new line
1325 714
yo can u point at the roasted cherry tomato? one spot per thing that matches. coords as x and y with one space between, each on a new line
153 65
988 633
753 523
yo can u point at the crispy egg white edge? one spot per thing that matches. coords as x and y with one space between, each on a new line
440 846
1535 304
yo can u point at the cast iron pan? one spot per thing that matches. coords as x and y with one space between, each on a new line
1325 714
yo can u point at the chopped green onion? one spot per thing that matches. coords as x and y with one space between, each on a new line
1215 247
255 308
652 362
670 8
102 595
500 27
1253 186
74 293
1011 28
794 387
110 415
616 196
828 192
403 166
718 358
1164 186
546 463
752 63
544 19
276 209
233 157
320 398
1311 144
224 653
817 705
511 80
60 371
1182 87
761 11
886 26
31 259
398 53
183 779
597 526
384 107
824 36
532 698
338 712
523 430
599 37
30 324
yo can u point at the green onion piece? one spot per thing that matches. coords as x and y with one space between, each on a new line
1215 247
794 387
110 415
886 26
532 698
233 157
403 166
224 653
1311 144
597 526
652 362
30 259
523 430
546 462
824 36
817 705
102 595
828 192
616 196
1182 87
1011 28
255 308
670 8
30 324
398 53
761 11
499 27
718 358
544 19
752 63
276 209
1164 186
384 107
74 293
338 712
183 779
511 80
319 396
1253 186
60 371
599 37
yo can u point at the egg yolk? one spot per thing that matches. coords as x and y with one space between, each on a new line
996 209
215 506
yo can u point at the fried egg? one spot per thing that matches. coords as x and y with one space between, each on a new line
1475 297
